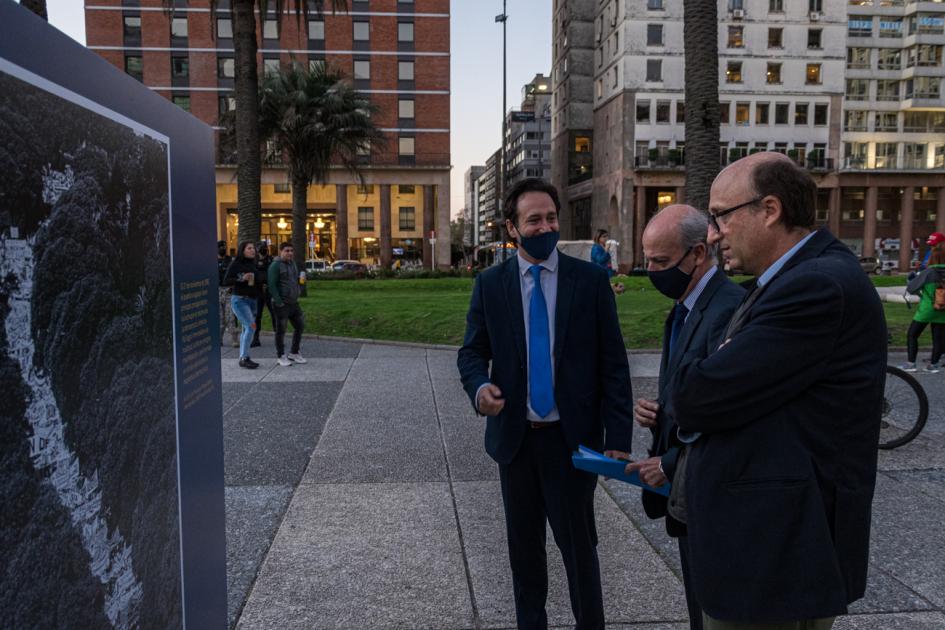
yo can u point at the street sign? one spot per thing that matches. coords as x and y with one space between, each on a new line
523 116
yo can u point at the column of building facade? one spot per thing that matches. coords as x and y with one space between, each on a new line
385 242
681 195
940 211
639 218
428 223
341 222
906 216
869 221
833 211
441 208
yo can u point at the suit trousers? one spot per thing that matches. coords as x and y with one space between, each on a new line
541 482
824 623
695 611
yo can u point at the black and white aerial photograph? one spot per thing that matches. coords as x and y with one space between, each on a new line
90 535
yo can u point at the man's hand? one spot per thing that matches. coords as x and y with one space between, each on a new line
649 470
621 455
645 411
490 401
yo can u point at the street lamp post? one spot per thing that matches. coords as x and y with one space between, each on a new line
503 18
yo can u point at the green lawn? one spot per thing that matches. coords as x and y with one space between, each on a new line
434 310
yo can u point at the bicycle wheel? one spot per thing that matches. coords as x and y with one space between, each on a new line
905 409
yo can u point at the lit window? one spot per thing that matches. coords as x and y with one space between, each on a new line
362 70
406 146
736 36
226 67
733 72
813 74
774 73
405 31
742 114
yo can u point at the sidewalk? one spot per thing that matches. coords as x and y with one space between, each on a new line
359 496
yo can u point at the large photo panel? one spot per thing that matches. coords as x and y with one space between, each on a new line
111 453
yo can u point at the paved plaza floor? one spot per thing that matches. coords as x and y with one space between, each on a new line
359 496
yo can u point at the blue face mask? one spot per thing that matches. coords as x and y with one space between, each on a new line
539 246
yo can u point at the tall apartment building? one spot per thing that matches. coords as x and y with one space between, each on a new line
528 133
783 74
396 51
489 217
471 204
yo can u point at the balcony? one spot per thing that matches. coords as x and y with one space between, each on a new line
660 160
888 163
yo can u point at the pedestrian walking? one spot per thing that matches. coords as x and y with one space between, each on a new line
245 279
929 285
284 287
263 260
227 319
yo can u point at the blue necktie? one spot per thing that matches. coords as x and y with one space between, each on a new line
679 320
541 389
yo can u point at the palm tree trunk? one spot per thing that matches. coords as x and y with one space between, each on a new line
36 6
299 218
700 35
248 167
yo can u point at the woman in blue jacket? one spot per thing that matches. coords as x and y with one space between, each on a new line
599 255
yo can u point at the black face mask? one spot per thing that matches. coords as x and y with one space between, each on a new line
672 282
539 246
221 251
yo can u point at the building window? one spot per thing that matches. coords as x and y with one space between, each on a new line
860 27
224 28
654 5
813 74
365 189
854 120
362 70
781 113
889 27
181 101
774 73
887 90
227 104
725 112
180 67
662 111
654 69
362 31
887 121
406 146
616 77
857 89
820 114
226 67
405 31
775 6
815 6
179 28
405 70
643 111
890 59
406 189
134 66
316 29
270 66
886 155
654 34
736 36
761 113
407 219
775 38
858 58
742 114
270 29
405 108
365 219
814 38
800 113
680 112
733 72
132 26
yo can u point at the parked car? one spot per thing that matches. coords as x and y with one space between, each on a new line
870 264
354 266
889 265
316 265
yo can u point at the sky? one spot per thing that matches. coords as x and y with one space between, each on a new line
475 70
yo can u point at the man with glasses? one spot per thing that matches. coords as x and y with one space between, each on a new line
682 266
779 483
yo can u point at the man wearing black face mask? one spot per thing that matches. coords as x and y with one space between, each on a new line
559 377
681 266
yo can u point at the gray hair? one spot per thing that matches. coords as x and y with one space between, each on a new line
693 228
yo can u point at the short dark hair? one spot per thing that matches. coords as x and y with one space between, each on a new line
793 186
284 245
532 184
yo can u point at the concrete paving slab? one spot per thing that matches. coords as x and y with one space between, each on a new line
644 365
637 585
253 514
900 621
451 399
627 498
465 449
329 348
364 556
266 448
233 373
931 482
924 452
907 539
315 370
379 351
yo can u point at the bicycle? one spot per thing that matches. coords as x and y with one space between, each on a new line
905 409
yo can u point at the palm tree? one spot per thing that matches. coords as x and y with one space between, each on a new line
36 6
248 163
314 118
700 36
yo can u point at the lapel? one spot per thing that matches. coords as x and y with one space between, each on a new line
695 318
664 355
563 303
513 299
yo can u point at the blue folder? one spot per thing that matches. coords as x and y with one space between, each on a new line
592 461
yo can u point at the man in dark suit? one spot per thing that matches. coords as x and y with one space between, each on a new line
682 266
559 376
779 483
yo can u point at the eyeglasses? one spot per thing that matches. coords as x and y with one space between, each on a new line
714 218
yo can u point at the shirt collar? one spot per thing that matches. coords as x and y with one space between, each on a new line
550 263
693 297
771 271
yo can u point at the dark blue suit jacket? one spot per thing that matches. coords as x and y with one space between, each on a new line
780 486
592 376
699 338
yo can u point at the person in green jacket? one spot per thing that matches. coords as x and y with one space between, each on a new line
928 313
284 289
